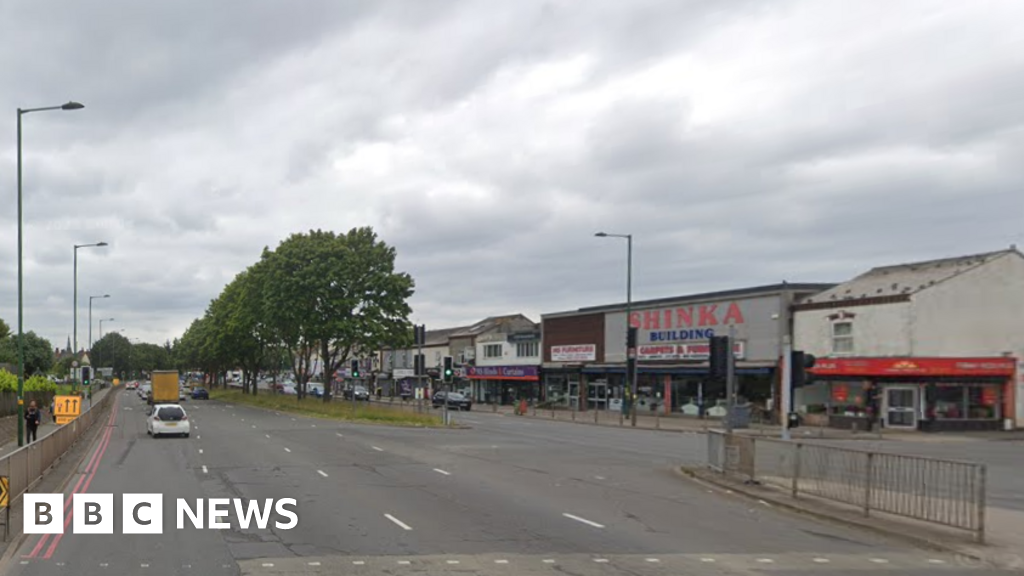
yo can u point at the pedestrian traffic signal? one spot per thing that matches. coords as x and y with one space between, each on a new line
719 357
86 375
449 373
800 362
355 369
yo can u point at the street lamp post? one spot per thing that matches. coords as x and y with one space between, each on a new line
101 325
21 291
74 382
631 377
91 298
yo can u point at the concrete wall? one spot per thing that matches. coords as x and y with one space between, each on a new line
878 330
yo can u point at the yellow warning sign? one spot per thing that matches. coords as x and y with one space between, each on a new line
4 493
67 408
117 381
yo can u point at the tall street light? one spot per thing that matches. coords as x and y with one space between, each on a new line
74 352
631 377
21 291
91 298
101 325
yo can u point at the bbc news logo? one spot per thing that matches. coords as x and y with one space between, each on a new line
144 513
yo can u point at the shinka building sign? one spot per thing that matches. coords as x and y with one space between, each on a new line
682 323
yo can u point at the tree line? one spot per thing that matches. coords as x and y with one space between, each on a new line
318 296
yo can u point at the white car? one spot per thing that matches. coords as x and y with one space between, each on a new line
168 419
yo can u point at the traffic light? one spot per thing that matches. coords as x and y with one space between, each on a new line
420 365
86 375
419 334
719 357
449 373
355 369
800 362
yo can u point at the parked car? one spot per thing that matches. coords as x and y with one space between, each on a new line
357 392
455 400
168 419
200 394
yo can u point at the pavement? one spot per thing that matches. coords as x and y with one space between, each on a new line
47 426
506 496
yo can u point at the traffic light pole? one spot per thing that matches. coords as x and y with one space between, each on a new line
787 384
730 380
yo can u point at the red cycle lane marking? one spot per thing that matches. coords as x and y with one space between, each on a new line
92 465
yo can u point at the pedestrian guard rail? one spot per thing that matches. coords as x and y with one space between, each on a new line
25 466
944 492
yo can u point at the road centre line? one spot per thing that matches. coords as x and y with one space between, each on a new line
287 449
439 471
400 524
583 520
322 473
377 449
205 471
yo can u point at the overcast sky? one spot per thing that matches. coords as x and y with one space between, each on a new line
741 142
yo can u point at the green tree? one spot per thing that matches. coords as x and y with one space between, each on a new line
5 330
336 295
38 353
112 351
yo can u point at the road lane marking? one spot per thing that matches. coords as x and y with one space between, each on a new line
377 449
879 560
601 560
200 450
653 560
936 561
268 564
548 561
338 434
708 560
358 562
583 520
404 562
598 477
822 560
765 560
198 437
313 425
312 563
322 473
253 425
453 561
287 450
439 471
267 435
400 524
501 561
205 471
144 565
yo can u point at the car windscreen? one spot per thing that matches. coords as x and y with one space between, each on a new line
456 396
171 413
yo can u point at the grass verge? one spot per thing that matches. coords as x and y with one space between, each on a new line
335 410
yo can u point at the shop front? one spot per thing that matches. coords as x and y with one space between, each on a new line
504 384
927 394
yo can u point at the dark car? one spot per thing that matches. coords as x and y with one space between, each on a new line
200 393
456 401
358 392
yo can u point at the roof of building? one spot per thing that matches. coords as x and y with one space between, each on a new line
440 337
805 287
488 324
905 279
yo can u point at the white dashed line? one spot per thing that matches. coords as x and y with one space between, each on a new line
312 563
358 562
765 560
501 561
198 437
287 449
601 560
322 473
313 425
404 562
583 520
400 524
205 471
377 449
879 560
253 425
338 434
144 565
268 564
439 471
104 564
936 561
822 560
200 450
598 477
708 560
453 561
293 419
23 562
653 560
267 435
549 561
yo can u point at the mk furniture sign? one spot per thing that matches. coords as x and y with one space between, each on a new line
574 353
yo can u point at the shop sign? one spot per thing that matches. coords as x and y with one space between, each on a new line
503 372
914 367
840 393
574 353
680 323
699 351
400 373
517 337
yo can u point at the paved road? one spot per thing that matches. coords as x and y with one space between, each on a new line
509 496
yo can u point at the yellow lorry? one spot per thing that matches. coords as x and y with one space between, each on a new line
164 387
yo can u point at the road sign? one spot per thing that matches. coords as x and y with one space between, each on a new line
4 485
67 408
117 381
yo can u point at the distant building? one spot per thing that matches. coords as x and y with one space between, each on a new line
933 345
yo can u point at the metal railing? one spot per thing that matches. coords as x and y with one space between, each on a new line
25 466
944 492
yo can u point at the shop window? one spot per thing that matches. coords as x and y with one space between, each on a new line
842 338
959 402
983 402
528 349
492 351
